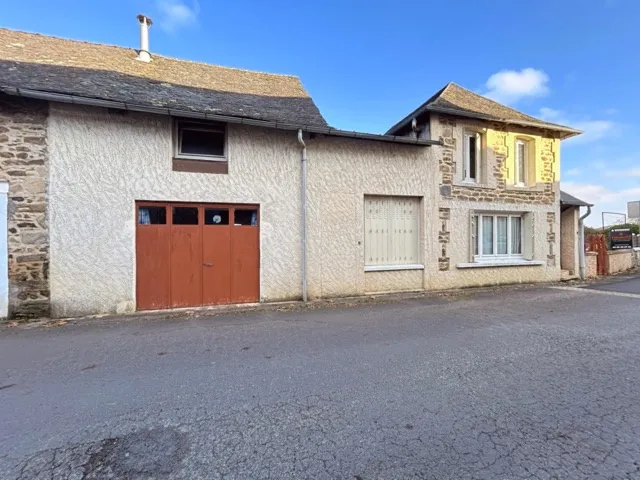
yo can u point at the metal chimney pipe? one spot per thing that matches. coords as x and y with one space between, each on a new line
145 23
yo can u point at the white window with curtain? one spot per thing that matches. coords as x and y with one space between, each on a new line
497 237
392 233
472 157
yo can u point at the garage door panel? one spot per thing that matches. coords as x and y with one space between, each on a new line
216 260
153 270
245 257
186 266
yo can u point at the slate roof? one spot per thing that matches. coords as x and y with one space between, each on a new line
567 199
51 64
456 100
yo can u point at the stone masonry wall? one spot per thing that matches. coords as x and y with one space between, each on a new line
542 196
443 238
23 163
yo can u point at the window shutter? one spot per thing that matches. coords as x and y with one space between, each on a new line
478 157
473 239
529 236
392 230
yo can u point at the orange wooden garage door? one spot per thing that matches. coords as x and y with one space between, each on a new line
190 255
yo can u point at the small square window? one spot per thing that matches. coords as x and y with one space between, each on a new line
216 216
246 217
185 216
204 141
152 216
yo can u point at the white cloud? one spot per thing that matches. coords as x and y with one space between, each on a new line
572 172
611 111
592 129
604 200
510 86
175 14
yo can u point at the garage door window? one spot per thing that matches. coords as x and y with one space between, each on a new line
185 215
152 216
216 216
246 217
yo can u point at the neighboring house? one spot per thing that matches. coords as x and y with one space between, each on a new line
498 199
135 184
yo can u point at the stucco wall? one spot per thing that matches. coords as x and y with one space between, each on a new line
394 281
620 260
591 264
101 163
341 172
569 237
458 248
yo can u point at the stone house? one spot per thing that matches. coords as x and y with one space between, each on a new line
131 181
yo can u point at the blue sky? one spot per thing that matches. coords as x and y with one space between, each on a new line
367 63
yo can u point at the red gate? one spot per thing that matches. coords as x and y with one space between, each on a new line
598 243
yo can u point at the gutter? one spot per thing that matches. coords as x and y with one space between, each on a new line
581 259
133 107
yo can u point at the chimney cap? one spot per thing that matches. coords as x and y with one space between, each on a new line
144 19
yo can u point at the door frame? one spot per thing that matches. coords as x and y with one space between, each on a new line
201 206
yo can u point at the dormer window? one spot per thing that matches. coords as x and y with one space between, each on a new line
472 156
200 141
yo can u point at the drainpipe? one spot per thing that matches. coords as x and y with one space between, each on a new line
581 258
303 188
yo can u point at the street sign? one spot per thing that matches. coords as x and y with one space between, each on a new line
620 238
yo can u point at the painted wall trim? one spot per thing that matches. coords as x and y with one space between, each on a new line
385 268
4 256
512 263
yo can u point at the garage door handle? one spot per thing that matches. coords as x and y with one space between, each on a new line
208 264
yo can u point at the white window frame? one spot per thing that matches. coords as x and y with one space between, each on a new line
496 257
200 127
467 157
525 164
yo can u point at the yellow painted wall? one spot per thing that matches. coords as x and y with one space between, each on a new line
507 144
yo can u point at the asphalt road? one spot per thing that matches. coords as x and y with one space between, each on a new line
531 383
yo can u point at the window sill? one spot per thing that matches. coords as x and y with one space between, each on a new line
200 166
386 268
501 263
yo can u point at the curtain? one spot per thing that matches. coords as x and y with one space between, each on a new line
144 217
516 236
487 235
502 236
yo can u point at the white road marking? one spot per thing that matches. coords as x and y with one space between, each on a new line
602 292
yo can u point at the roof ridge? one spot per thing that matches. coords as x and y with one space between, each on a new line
120 47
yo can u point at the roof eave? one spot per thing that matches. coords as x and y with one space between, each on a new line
95 102
566 132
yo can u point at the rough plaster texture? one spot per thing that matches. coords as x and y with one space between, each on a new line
620 261
101 163
23 164
591 264
393 281
569 238
341 172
